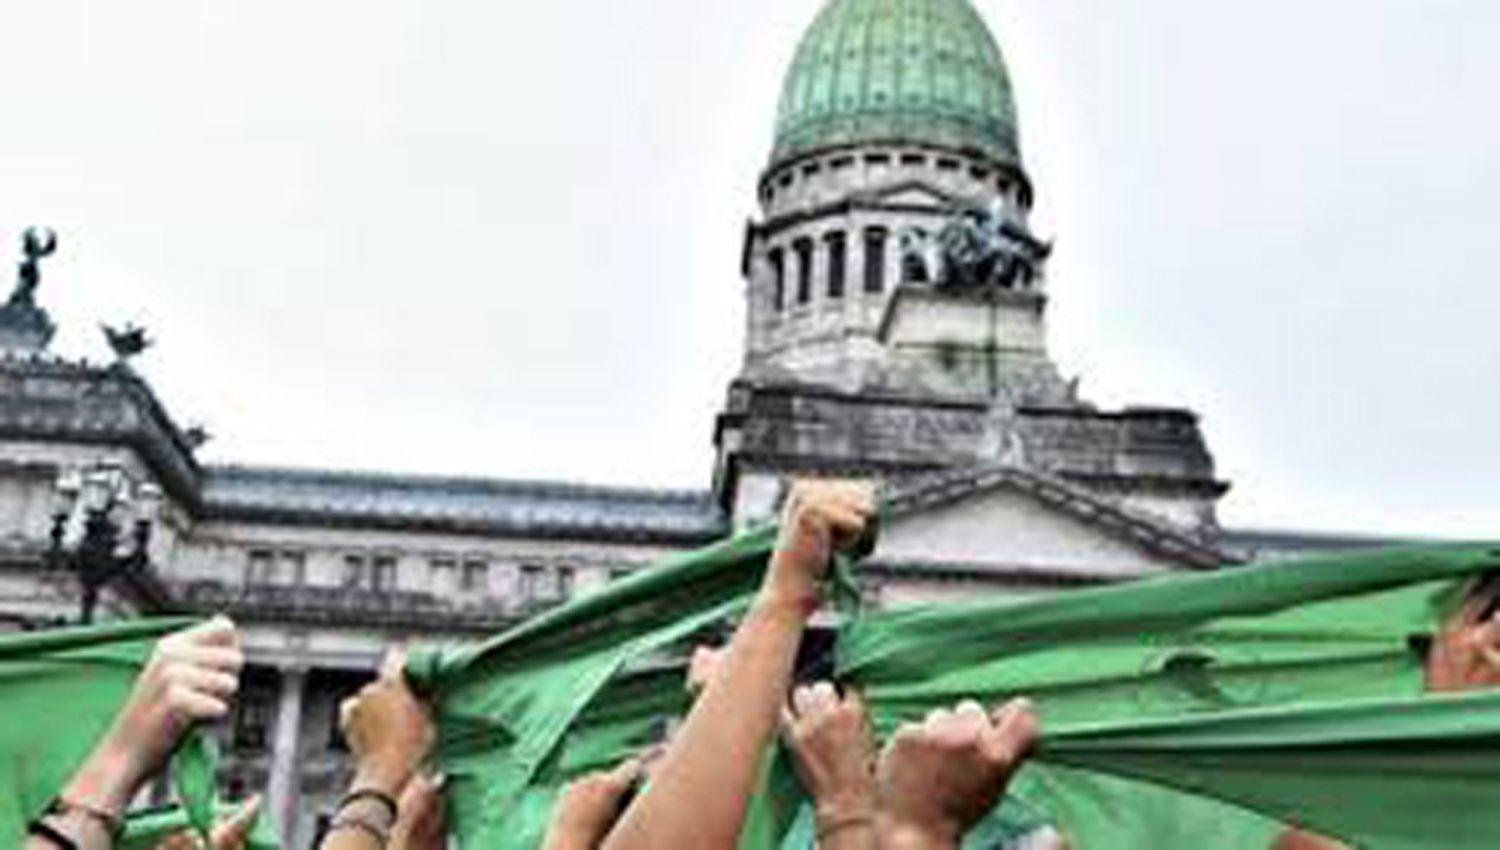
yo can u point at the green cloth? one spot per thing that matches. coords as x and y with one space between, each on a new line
1179 712
145 830
59 691
505 707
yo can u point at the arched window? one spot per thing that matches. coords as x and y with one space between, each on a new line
804 249
837 263
875 239
777 258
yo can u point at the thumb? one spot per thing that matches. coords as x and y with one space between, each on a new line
393 667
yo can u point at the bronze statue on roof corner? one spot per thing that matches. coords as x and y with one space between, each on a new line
24 326
36 243
980 245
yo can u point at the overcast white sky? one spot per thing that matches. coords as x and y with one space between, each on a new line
502 239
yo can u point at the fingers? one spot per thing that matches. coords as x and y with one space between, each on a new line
627 772
232 833
187 704
219 631
855 700
215 683
788 721
1013 734
212 657
393 666
802 700
824 698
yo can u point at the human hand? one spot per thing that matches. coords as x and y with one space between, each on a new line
423 820
819 517
192 676
938 778
588 808
830 738
387 728
228 834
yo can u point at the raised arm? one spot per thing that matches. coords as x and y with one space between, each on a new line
192 676
699 792
389 732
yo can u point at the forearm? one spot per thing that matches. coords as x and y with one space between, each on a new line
700 791
352 826
80 829
104 784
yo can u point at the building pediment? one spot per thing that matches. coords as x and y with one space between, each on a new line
905 194
1002 522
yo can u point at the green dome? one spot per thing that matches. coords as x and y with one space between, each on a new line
925 71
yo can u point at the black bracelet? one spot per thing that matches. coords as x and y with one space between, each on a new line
112 823
381 836
45 830
380 797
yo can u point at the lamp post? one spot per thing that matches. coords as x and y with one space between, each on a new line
95 559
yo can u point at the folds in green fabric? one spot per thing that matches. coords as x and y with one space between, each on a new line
145 830
1179 712
508 710
59 691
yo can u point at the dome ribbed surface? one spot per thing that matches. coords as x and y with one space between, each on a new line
916 71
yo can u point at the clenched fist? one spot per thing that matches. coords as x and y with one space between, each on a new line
387 729
819 517
192 676
829 736
940 777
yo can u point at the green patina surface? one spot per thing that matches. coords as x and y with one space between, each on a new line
922 71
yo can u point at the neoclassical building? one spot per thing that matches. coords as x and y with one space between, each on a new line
895 310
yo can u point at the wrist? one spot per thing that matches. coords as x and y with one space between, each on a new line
382 775
897 833
107 780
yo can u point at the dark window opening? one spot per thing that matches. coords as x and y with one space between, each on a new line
778 278
383 574
254 712
836 264
804 251
354 571
476 576
875 239
531 581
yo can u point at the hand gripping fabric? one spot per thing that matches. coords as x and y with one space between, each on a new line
59 691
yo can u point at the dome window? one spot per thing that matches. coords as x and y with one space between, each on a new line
777 258
875 239
804 249
837 262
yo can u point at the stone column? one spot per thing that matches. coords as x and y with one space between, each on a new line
282 795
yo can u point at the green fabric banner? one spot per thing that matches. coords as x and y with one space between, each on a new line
59 692
1179 712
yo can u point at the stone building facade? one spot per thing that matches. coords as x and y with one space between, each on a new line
896 116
